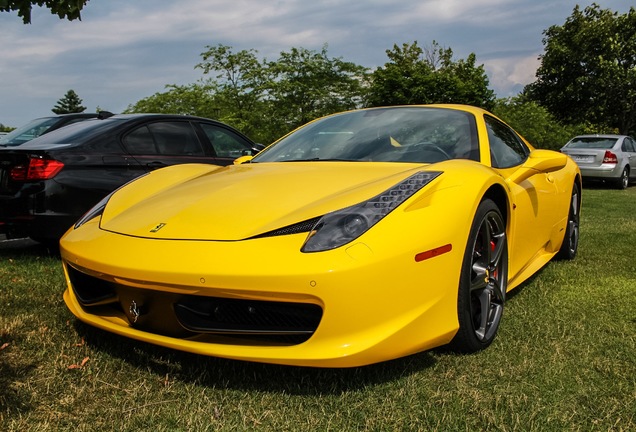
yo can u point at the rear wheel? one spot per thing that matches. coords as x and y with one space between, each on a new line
483 281
571 238
623 181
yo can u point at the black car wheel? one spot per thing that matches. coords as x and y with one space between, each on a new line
623 181
571 237
483 281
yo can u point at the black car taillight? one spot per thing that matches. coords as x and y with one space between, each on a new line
36 169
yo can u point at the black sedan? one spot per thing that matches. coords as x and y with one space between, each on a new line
49 182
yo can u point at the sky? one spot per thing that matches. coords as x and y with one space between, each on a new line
126 50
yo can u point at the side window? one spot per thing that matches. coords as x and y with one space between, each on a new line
140 142
226 144
628 145
506 149
177 138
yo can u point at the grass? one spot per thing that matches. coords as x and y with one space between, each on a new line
565 359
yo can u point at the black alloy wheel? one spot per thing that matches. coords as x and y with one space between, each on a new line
570 243
483 281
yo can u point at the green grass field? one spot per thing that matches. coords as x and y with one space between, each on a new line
564 360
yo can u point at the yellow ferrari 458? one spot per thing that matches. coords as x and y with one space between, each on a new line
360 237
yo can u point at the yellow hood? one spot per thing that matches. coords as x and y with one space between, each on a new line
198 202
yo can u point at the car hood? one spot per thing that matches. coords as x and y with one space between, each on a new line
199 202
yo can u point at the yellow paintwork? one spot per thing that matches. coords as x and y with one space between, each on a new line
378 302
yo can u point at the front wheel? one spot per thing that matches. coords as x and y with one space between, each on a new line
483 281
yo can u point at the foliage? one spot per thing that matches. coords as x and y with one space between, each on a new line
307 84
536 124
563 361
266 99
70 103
193 99
239 85
588 69
4 128
69 9
417 76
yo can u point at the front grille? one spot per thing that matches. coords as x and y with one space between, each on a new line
206 318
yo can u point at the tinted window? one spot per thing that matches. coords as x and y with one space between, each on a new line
164 138
506 149
225 143
140 141
628 145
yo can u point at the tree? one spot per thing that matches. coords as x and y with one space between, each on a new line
588 69
535 123
69 9
194 99
417 76
239 85
70 103
307 84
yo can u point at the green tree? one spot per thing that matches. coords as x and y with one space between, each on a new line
588 69
535 123
420 76
238 80
70 103
193 99
69 9
306 84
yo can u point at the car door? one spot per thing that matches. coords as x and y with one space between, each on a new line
535 201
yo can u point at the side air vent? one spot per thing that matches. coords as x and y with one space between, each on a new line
300 227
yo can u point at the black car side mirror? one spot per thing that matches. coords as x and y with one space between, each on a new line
257 148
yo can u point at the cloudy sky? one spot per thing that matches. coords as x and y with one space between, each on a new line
122 50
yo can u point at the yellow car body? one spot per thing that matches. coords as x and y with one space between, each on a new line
200 243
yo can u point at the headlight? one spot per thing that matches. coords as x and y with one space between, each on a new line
343 226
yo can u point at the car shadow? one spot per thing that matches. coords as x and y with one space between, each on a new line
243 375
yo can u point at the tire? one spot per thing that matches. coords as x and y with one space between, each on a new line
483 281
570 243
623 180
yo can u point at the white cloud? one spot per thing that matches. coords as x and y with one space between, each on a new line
123 51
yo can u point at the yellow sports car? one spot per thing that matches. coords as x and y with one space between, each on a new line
360 237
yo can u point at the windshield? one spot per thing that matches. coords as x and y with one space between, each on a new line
592 143
396 134
31 130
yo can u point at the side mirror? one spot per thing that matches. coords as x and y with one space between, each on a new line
539 161
257 149
242 159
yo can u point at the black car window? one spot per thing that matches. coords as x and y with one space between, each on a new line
140 142
628 145
506 149
174 138
226 144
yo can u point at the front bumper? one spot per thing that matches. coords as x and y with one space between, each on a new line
367 304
